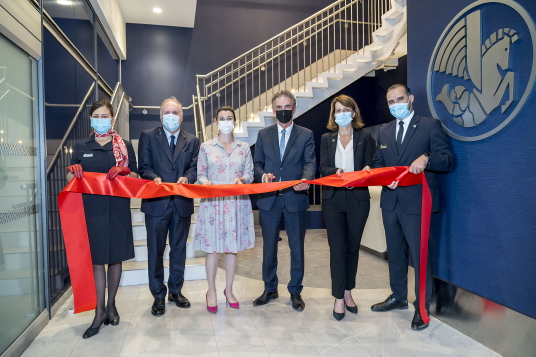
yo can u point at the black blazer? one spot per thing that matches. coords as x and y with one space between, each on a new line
155 160
363 154
299 161
423 135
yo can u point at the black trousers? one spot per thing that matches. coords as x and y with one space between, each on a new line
345 217
157 232
403 235
295 226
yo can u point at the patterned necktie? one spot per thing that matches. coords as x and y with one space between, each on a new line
399 136
172 144
282 144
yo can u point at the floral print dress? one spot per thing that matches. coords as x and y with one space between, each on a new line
224 224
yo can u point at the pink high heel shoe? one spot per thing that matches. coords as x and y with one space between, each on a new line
211 309
234 305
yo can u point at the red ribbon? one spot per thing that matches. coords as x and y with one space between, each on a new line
74 227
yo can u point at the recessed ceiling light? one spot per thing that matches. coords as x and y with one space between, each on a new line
65 2
157 10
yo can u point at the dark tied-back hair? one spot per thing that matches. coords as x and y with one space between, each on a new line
102 103
348 102
226 108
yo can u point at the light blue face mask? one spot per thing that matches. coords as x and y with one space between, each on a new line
101 126
343 119
400 110
171 122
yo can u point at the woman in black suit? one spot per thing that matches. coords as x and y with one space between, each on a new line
348 148
109 223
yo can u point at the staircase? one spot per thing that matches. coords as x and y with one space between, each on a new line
367 35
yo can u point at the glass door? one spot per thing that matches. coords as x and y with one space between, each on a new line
21 291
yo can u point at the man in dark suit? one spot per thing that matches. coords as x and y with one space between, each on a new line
418 142
284 152
168 154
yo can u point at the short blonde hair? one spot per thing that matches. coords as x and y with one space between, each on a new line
170 99
347 102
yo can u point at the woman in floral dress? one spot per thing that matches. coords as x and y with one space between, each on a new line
224 224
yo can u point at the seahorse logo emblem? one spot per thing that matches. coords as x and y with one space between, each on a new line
478 77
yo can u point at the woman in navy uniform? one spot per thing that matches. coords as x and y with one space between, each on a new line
108 218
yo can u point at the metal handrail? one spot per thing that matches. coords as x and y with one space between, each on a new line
291 58
327 8
201 115
70 128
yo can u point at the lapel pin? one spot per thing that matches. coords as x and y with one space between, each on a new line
415 125
333 140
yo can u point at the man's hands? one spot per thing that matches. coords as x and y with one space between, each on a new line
419 165
76 170
182 180
268 178
301 186
158 180
339 172
117 170
366 168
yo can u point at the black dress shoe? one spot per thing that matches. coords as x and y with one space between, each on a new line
180 300
390 304
297 302
337 315
92 331
265 298
159 307
417 323
114 320
352 309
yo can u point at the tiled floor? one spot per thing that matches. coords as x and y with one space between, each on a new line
271 330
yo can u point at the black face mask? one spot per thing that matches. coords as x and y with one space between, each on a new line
284 116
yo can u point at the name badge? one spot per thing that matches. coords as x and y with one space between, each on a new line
88 155
383 146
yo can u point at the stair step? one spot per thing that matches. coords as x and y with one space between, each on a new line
375 48
383 31
393 15
140 250
136 273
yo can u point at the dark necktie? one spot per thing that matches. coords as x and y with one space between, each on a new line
399 136
172 144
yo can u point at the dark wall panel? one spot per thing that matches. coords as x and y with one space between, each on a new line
486 243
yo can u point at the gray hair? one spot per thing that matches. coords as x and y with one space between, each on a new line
170 99
284 93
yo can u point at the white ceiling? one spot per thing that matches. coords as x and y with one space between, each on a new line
180 13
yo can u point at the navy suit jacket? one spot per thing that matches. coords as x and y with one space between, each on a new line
422 135
363 153
155 160
299 161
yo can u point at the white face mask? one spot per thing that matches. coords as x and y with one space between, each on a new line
171 122
226 126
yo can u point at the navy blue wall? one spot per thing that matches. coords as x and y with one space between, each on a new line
487 228
163 61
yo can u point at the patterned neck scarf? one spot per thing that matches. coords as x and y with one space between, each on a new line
118 146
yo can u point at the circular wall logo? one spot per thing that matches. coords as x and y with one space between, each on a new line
482 69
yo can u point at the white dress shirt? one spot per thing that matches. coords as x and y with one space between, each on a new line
344 157
406 125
